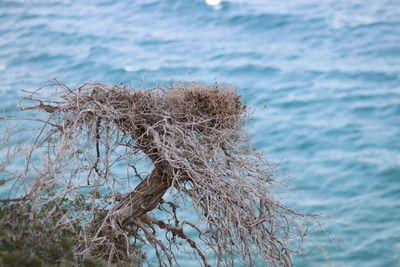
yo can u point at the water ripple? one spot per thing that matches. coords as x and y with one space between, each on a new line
327 71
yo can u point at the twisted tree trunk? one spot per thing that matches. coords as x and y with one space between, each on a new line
144 198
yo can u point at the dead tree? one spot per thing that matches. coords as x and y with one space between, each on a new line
193 135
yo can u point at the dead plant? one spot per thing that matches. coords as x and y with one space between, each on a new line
194 138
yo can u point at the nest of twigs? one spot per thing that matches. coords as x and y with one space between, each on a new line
193 135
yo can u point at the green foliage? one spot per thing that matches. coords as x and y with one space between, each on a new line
30 237
18 258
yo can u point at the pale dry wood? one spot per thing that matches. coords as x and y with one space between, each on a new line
193 135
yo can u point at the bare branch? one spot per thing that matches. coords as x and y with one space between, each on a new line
194 139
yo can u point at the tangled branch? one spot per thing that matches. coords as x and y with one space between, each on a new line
193 135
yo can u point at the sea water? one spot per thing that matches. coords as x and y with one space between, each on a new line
322 79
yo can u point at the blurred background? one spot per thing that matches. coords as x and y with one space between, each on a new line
322 78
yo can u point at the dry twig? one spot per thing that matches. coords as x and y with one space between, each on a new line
193 135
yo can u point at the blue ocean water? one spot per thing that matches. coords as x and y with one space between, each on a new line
323 78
